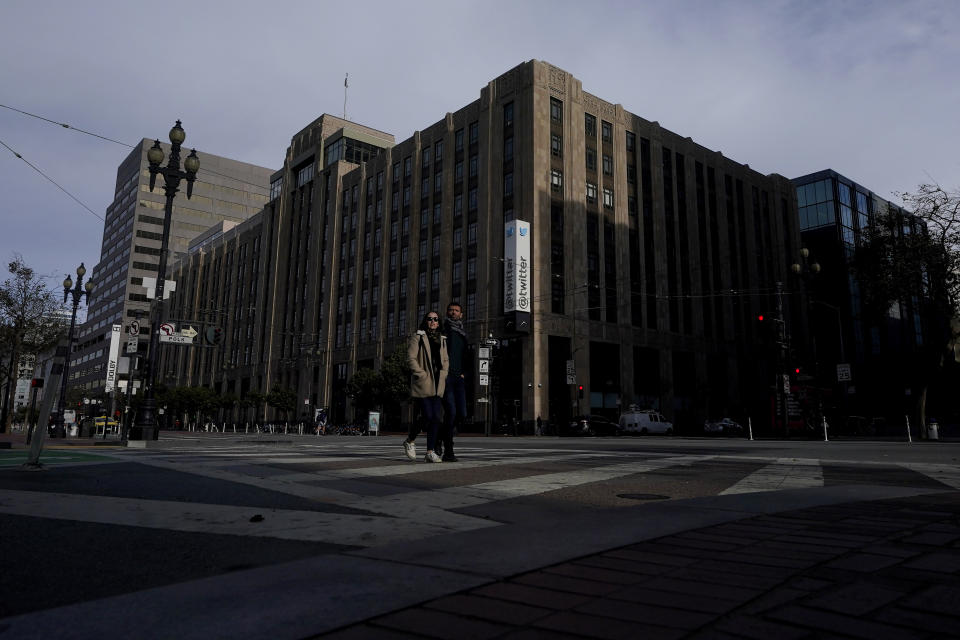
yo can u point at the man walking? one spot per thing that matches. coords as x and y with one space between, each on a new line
454 396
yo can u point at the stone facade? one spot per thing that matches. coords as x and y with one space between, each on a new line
651 257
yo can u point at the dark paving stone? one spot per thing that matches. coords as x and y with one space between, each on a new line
428 623
836 623
594 573
512 613
863 562
658 616
857 599
563 583
534 596
600 627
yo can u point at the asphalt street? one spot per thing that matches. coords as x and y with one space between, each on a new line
233 535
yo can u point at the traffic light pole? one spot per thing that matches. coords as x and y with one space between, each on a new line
781 360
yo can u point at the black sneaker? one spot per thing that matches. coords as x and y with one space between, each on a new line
450 458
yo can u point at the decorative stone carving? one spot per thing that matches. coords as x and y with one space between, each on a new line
557 81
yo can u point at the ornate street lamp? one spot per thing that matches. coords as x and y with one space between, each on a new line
78 292
145 426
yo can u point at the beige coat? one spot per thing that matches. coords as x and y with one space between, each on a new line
419 354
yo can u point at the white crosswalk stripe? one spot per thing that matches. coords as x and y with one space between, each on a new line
785 473
378 497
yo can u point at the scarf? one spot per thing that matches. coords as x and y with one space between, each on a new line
433 335
457 326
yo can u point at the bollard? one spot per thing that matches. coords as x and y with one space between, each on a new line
825 438
909 437
750 427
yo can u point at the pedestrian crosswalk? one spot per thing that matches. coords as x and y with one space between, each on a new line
366 493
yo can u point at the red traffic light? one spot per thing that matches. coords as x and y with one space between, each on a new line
760 317
580 387
797 370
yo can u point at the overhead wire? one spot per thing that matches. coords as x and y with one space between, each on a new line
123 144
55 183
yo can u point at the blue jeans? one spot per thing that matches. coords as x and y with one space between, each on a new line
432 410
455 406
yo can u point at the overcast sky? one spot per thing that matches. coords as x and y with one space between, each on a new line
870 89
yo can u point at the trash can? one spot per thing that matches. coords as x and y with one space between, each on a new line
933 431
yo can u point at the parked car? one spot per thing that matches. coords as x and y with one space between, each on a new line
644 422
722 427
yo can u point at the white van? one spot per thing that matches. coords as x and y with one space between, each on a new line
644 422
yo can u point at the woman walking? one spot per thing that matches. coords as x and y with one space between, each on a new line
427 356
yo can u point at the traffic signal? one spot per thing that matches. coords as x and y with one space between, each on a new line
580 391
760 317
213 335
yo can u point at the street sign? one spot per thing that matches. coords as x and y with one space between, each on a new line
176 339
786 384
483 353
484 380
134 328
167 329
484 366
843 373
571 372
189 331
132 345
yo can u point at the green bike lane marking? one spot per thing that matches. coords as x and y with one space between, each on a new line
49 456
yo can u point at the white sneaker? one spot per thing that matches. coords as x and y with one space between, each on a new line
410 449
432 457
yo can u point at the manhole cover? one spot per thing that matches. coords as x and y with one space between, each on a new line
642 496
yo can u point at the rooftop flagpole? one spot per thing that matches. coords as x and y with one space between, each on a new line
345 85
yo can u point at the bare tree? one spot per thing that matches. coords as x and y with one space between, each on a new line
28 325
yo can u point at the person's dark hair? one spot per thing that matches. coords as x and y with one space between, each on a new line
425 325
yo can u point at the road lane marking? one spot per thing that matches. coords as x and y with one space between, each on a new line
785 473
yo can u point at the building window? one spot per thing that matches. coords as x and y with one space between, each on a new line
606 130
425 187
474 132
508 115
471 268
458 172
407 166
425 157
508 185
474 166
631 141
590 125
438 152
556 179
607 165
438 181
457 271
556 110
472 233
472 200
458 205
457 238
608 198
591 159
508 149
556 145
458 140
437 213
591 193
